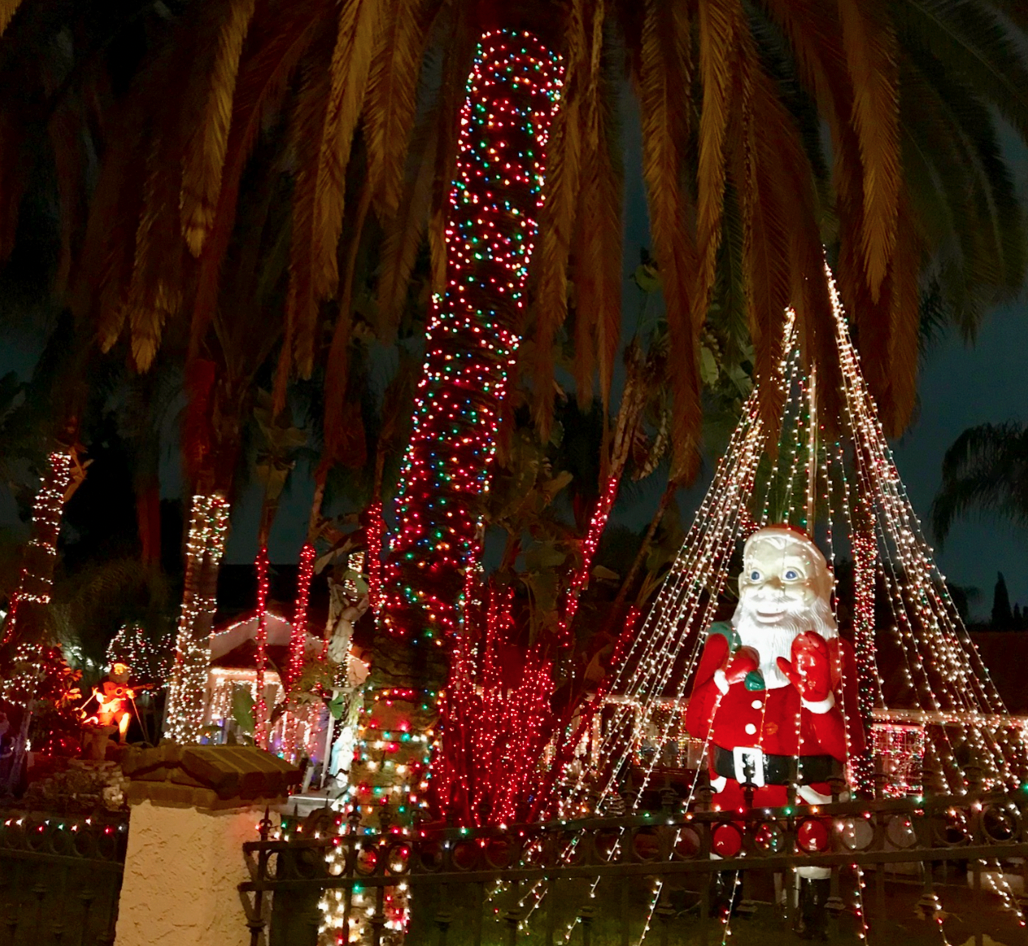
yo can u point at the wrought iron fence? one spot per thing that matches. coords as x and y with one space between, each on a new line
946 868
60 877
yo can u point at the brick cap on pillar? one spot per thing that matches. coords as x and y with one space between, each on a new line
211 777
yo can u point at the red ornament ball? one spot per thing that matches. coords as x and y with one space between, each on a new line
813 835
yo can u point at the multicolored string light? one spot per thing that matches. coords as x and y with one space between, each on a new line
150 660
472 338
473 331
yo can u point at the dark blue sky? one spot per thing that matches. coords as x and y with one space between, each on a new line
961 387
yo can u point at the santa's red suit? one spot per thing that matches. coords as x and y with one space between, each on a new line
766 738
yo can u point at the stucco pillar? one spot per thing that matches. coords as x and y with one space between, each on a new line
192 808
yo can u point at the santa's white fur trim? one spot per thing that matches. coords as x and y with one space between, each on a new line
813 873
721 681
812 797
820 706
718 784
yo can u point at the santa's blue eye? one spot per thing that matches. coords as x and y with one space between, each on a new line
754 575
792 574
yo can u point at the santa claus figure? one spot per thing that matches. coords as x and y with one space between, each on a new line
775 690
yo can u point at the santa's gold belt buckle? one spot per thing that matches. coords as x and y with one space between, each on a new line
749 761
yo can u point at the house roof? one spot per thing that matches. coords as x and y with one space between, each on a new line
234 644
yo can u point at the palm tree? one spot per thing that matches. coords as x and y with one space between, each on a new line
731 98
984 471
742 198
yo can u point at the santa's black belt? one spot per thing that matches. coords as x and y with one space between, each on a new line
778 769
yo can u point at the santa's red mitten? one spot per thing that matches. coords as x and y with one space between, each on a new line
737 665
810 671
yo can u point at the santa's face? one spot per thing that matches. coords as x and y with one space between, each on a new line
780 580
784 590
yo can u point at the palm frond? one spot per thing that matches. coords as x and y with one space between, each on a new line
7 10
277 40
204 156
351 66
719 28
305 137
557 218
871 56
904 335
754 144
972 41
949 109
457 59
155 288
665 78
405 231
339 415
958 180
69 165
985 470
392 85
111 259
598 236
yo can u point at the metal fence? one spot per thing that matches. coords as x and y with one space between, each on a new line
936 870
60 877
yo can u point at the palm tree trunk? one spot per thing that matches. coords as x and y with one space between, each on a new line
640 557
187 692
26 619
472 338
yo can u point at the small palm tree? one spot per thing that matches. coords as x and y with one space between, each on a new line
984 471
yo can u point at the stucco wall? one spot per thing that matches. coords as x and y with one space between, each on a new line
181 874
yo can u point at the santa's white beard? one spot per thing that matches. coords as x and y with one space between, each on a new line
772 641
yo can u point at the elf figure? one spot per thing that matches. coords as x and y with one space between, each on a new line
776 689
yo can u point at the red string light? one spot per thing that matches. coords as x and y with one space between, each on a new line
298 638
260 721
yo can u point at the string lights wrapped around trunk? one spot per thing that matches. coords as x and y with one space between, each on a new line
472 336
208 529
471 343
298 639
260 710
35 583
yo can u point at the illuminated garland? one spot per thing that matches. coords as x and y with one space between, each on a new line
205 545
373 558
472 336
954 700
865 558
496 728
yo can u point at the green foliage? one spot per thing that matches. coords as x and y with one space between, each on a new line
242 710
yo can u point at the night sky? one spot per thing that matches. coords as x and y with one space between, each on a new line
960 386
